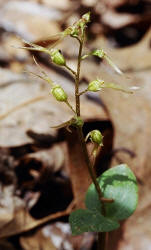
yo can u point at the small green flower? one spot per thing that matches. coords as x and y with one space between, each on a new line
57 57
96 137
58 92
99 53
95 85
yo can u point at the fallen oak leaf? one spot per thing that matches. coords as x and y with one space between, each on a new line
23 221
22 105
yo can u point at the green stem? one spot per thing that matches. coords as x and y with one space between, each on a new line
71 70
88 162
80 133
101 236
70 106
83 92
77 97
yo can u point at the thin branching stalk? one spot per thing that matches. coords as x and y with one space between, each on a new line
71 70
101 236
80 133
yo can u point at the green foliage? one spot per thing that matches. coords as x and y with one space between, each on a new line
118 183
87 220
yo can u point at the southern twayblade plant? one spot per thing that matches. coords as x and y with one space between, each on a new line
111 197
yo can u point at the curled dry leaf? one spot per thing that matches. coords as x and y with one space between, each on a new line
23 222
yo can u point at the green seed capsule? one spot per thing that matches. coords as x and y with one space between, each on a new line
58 92
96 136
95 85
57 57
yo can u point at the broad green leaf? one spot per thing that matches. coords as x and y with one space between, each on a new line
89 221
118 183
92 201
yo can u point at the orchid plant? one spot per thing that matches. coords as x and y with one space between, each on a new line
111 197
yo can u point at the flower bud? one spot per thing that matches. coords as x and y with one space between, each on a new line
86 17
95 85
58 92
96 136
83 21
57 57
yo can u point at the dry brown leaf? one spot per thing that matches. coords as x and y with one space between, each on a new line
60 235
37 241
132 58
7 204
6 245
59 4
77 168
116 20
29 19
126 16
52 158
23 222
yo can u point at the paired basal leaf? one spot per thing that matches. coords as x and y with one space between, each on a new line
118 183
85 220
